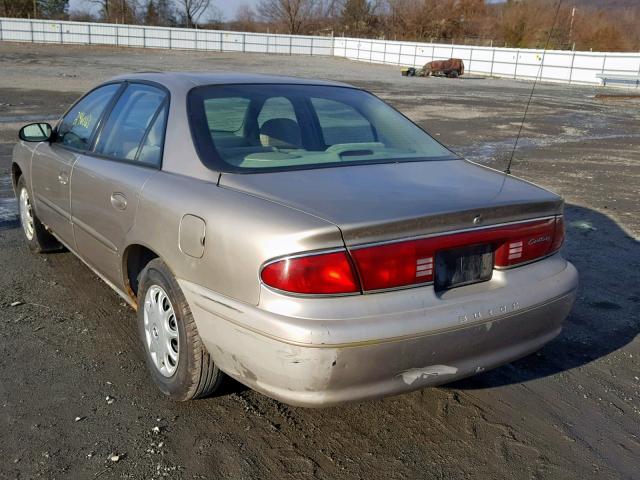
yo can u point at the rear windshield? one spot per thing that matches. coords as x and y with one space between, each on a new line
250 128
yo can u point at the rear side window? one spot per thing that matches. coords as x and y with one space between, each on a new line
128 122
341 123
78 125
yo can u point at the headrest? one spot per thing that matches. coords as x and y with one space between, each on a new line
281 132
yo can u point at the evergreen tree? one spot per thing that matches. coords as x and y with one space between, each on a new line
356 16
151 15
52 8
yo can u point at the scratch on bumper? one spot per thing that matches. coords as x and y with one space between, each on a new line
414 374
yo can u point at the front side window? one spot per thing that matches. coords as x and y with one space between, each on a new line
253 128
77 126
128 122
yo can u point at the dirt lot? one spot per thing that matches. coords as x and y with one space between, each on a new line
570 411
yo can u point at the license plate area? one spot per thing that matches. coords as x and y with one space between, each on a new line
463 266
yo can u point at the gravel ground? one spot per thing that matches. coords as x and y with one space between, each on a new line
75 394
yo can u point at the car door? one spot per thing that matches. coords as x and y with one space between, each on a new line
107 180
53 161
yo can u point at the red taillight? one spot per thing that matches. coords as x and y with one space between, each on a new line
396 264
526 242
558 235
412 262
328 273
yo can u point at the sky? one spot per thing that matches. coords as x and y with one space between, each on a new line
228 7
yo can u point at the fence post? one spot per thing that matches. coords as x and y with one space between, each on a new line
60 24
515 72
470 59
31 29
244 42
573 59
637 81
89 32
170 38
290 42
384 53
1 26
312 46
415 54
493 57
144 37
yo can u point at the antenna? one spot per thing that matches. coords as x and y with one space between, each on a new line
535 83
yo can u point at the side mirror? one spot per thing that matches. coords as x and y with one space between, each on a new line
35 132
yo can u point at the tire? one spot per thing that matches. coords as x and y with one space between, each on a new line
453 74
192 374
38 238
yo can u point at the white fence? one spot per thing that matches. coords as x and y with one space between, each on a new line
559 66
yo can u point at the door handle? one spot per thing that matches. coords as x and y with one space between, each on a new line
119 201
63 177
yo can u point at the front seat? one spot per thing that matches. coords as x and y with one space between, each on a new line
281 133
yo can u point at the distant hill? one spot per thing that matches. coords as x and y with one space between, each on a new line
604 4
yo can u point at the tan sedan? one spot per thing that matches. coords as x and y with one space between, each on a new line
300 236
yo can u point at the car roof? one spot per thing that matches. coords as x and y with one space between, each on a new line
192 79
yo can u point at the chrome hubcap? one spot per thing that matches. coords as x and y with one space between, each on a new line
26 214
161 331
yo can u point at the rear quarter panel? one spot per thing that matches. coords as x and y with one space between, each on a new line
242 232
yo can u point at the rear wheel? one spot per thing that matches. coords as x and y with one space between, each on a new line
178 361
37 236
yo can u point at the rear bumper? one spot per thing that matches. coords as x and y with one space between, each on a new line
377 349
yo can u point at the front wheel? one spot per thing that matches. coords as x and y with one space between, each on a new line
178 361
37 236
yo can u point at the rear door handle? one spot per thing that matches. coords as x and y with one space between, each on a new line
119 201
63 177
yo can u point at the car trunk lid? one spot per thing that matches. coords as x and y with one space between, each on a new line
382 202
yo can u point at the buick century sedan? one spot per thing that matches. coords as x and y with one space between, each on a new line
300 236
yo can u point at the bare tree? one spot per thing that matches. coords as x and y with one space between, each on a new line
245 19
292 15
117 11
192 10
16 8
